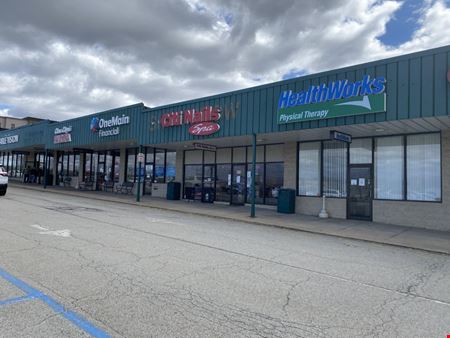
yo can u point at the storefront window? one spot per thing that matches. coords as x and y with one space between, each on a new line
87 166
259 183
117 167
71 164
223 155
274 181
149 157
159 165
423 163
65 164
239 155
170 166
259 154
361 151
389 168
209 157
193 157
223 182
309 169
97 168
109 168
335 169
193 176
19 165
131 165
76 169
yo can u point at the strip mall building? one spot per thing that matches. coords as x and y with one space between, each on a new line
396 169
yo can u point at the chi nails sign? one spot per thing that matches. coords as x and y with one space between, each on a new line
203 122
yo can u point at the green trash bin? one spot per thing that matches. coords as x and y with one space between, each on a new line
173 190
286 201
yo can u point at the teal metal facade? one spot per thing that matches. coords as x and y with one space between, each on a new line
416 87
83 136
29 136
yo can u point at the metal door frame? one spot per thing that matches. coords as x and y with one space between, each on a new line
363 165
244 165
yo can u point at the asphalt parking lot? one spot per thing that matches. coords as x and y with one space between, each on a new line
76 267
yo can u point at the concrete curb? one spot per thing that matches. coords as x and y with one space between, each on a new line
239 219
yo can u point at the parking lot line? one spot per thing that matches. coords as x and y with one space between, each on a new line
54 305
16 300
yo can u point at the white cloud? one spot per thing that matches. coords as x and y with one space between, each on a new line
59 62
4 111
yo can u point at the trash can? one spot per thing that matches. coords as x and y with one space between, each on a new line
173 190
286 201
208 195
49 179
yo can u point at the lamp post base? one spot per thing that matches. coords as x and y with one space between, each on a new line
323 213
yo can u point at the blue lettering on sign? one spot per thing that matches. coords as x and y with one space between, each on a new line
340 89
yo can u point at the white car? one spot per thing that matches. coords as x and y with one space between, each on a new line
3 181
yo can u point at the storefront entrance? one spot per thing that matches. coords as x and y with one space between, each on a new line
225 175
238 184
209 178
148 178
359 201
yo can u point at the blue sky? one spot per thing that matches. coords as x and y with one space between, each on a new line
399 29
404 23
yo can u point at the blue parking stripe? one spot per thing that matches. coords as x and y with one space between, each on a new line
15 300
55 306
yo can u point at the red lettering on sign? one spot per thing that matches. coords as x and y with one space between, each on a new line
176 118
190 116
215 115
171 119
197 117
204 128
165 120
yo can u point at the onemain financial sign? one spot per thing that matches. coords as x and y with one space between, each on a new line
338 98
108 127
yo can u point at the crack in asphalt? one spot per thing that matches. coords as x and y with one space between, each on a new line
233 252
223 318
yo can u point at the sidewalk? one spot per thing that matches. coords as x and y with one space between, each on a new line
422 239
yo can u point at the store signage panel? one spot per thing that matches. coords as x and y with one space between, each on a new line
62 135
63 130
204 128
62 138
108 127
202 122
338 136
203 146
9 139
338 98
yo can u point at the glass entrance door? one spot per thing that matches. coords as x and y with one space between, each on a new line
209 177
238 184
148 179
359 201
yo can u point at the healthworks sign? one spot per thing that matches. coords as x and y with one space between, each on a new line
338 98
